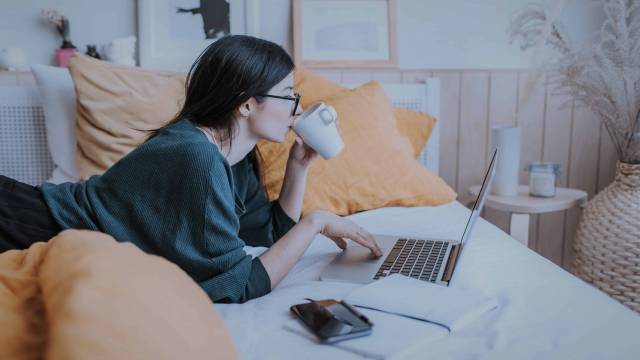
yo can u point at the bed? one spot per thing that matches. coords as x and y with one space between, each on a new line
544 312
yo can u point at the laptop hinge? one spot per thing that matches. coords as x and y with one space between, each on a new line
451 262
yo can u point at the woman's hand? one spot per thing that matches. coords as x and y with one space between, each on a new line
338 228
301 155
282 255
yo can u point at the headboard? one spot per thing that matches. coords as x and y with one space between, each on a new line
419 97
24 154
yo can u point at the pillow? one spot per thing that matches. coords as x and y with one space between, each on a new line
416 126
83 295
376 169
116 105
59 106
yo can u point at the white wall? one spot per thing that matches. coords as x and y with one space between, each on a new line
453 34
463 34
432 34
91 22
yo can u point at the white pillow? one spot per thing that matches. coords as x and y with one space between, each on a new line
59 105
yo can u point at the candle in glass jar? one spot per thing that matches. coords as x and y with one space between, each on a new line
542 178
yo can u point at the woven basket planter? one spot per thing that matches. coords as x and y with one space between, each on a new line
607 243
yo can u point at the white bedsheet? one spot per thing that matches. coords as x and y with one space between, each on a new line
544 312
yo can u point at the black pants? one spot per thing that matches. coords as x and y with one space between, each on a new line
24 216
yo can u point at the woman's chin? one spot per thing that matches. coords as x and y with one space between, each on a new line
279 140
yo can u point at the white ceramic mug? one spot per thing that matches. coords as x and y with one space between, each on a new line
317 128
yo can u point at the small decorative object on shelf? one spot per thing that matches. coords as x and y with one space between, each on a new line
121 51
66 50
542 178
91 51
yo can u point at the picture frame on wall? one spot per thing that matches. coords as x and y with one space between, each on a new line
345 33
173 33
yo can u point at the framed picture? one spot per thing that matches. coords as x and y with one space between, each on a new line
344 33
172 33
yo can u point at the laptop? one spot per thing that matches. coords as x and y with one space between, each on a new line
426 259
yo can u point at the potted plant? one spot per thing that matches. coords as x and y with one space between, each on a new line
605 78
61 23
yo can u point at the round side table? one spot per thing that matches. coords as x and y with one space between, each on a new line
522 205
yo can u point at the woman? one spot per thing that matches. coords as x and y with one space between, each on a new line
191 193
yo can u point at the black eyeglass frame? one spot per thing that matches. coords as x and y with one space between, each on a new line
295 98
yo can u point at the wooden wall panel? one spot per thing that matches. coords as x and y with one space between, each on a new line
503 104
474 111
582 170
388 76
531 112
8 78
449 124
356 77
606 160
555 147
331 74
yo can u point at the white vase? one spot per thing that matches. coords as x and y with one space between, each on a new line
507 139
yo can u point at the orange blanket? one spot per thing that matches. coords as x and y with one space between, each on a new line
84 295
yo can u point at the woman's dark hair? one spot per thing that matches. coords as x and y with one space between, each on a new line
227 73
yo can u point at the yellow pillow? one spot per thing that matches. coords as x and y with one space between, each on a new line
375 169
113 104
416 126
82 295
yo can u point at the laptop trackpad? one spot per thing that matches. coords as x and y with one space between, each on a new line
355 264
356 255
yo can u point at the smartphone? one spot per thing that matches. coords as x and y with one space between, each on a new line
332 320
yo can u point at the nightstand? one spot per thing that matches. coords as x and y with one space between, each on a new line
522 205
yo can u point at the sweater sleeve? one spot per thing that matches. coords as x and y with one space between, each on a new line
231 275
264 221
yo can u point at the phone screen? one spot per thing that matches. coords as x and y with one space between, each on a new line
331 319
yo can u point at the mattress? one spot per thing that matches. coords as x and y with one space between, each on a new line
544 312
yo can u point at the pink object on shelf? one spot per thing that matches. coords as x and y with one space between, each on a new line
63 56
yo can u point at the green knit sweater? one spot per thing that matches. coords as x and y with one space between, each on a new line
176 196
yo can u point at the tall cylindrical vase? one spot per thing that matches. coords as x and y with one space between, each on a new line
607 242
507 139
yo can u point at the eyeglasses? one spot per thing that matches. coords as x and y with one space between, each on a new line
295 98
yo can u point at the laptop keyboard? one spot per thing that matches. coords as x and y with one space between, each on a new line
420 259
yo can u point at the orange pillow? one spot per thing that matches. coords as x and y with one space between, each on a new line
114 103
416 126
376 168
83 295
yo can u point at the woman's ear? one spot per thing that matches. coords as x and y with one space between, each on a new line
247 107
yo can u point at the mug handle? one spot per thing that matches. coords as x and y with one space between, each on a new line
327 115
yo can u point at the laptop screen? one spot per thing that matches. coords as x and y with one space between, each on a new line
479 203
